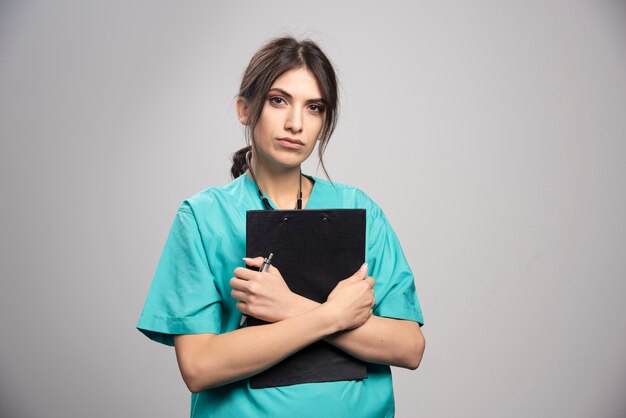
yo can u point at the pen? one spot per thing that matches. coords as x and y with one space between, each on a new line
264 268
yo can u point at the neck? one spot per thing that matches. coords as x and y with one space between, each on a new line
280 185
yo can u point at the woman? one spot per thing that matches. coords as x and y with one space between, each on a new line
288 103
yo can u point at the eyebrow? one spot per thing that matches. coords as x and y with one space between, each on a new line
289 96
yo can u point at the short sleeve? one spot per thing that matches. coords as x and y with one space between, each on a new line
183 298
395 286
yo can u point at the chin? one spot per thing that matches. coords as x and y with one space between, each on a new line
290 161
286 159
291 164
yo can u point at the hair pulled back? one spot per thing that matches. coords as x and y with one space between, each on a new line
270 62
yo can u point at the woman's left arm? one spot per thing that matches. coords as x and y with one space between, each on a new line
395 342
390 341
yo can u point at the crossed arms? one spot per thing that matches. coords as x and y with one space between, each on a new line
345 320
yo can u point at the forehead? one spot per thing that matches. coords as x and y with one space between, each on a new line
299 82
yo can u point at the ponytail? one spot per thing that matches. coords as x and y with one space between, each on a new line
239 162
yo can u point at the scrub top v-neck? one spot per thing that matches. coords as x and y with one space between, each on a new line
271 202
190 294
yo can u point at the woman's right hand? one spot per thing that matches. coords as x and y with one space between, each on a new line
352 300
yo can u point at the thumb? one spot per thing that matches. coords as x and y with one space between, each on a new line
253 262
361 272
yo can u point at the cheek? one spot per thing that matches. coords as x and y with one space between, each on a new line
262 130
317 125
268 122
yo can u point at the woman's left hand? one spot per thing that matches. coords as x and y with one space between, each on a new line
265 296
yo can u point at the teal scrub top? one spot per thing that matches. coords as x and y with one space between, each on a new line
190 294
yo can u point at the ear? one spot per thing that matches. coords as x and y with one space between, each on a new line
242 110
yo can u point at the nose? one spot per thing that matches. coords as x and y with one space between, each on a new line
294 120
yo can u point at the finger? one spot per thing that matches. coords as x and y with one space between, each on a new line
244 285
242 307
360 274
362 271
273 270
237 284
370 281
254 262
239 295
244 273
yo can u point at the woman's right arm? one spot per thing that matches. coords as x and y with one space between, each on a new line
211 360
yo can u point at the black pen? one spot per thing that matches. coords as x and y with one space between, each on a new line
264 268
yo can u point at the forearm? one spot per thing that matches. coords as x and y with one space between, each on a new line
380 340
209 360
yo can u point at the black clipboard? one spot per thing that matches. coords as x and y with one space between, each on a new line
314 250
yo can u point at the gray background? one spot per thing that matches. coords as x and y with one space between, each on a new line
492 134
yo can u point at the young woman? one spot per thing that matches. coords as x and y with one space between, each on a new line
201 289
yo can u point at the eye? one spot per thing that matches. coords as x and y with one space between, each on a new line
277 100
316 108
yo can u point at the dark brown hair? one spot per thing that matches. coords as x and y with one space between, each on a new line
270 62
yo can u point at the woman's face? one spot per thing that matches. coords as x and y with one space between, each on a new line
291 120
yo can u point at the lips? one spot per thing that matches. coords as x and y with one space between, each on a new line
290 143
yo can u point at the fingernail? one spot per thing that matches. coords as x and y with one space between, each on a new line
246 259
364 266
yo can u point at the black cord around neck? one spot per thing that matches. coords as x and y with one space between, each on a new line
264 200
